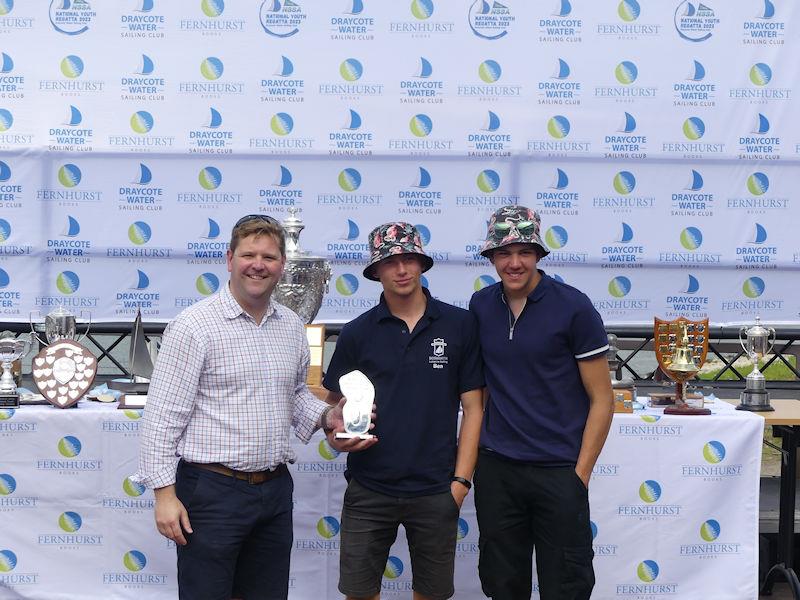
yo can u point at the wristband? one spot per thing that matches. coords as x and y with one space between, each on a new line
323 418
465 482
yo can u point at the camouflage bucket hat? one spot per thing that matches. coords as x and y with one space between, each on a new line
390 239
513 225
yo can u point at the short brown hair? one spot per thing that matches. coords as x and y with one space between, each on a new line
258 225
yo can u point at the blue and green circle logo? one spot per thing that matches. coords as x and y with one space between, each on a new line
70 521
628 10
757 183
6 119
133 414
328 527
68 282
651 418
351 69
211 68
488 181
212 8
593 527
650 491
421 125
347 284
691 238
131 488
714 452
141 121
647 570
8 561
422 9
134 560
558 127
760 74
6 6
210 178
482 281
710 530
694 128
4 281
69 175
71 66
489 71
326 452
281 123
394 568
69 446
206 284
5 230
556 237
7 484
463 529
619 287
349 180
139 233
753 287
624 182
626 72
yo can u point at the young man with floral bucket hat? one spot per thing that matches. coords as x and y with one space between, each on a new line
548 410
423 357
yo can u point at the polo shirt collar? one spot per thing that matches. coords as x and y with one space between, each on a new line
431 310
231 308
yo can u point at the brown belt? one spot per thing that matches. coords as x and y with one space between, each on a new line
253 477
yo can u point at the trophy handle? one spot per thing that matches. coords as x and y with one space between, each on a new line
771 339
743 329
88 325
33 329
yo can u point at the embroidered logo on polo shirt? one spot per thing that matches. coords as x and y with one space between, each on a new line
438 359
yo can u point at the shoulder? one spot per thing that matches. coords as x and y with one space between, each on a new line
485 296
197 318
361 325
454 313
569 297
287 315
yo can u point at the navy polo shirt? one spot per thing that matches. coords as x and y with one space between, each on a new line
418 378
537 406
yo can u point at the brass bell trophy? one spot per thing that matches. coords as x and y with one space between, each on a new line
681 347
757 342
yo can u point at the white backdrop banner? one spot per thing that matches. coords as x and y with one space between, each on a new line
655 137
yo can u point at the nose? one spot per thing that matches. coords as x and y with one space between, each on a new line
514 261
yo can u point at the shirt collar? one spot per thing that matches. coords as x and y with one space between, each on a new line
231 308
431 310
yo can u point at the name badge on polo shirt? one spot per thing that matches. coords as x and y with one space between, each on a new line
438 358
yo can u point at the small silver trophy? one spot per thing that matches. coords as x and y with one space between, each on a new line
10 350
757 343
357 411
305 277
59 324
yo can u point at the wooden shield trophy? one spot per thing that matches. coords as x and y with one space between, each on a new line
681 347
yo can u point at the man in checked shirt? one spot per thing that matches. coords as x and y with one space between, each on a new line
228 383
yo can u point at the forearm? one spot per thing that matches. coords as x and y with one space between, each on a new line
594 435
469 435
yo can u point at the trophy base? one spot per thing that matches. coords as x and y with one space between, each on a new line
8 400
755 401
685 409
351 436
662 398
127 401
126 386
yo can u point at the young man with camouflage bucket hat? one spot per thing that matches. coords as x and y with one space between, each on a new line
548 410
423 357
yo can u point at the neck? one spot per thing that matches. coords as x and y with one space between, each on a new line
408 308
254 310
518 295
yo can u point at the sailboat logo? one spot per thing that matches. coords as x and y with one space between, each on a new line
762 125
284 177
425 68
625 234
145 66
769 11
564 9
73 227
144 6
560 181
142 281
492 122
698 72
286 68
696 183
759 234
351 231
354 121
424 179
215 120
145 176
628 124
692 285
74 118
356 7
562 70
212 231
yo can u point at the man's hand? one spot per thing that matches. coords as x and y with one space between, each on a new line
459 491
584 477
335 424
171 516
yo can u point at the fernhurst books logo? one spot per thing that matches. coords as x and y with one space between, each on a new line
651 505
762 86
466 541
599 545
142 122
328 527
757 200
326 540
207 284
347 284
70 460
134 562
13 22
558 128
394 568
72 66
628 24
422 22
483 281
626 74
715 465
711 543
70 523
212 83
691 239
489 73
213 21
131 497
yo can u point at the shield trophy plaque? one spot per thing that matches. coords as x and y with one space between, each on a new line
681 348
303 284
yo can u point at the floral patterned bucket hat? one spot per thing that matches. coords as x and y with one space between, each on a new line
390 239
513 225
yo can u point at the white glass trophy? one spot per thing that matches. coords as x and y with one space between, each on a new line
357 410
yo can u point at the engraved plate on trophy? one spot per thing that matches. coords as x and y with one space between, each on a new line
305 278
11 350
757 343
681 347
316 344
63 372
357 410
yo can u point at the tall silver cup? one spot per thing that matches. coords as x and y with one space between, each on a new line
757 342
59 324
10 350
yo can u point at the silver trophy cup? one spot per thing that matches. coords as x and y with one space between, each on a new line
59 324
10 350
305 277
757 343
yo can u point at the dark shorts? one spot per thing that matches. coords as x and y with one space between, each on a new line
369 528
